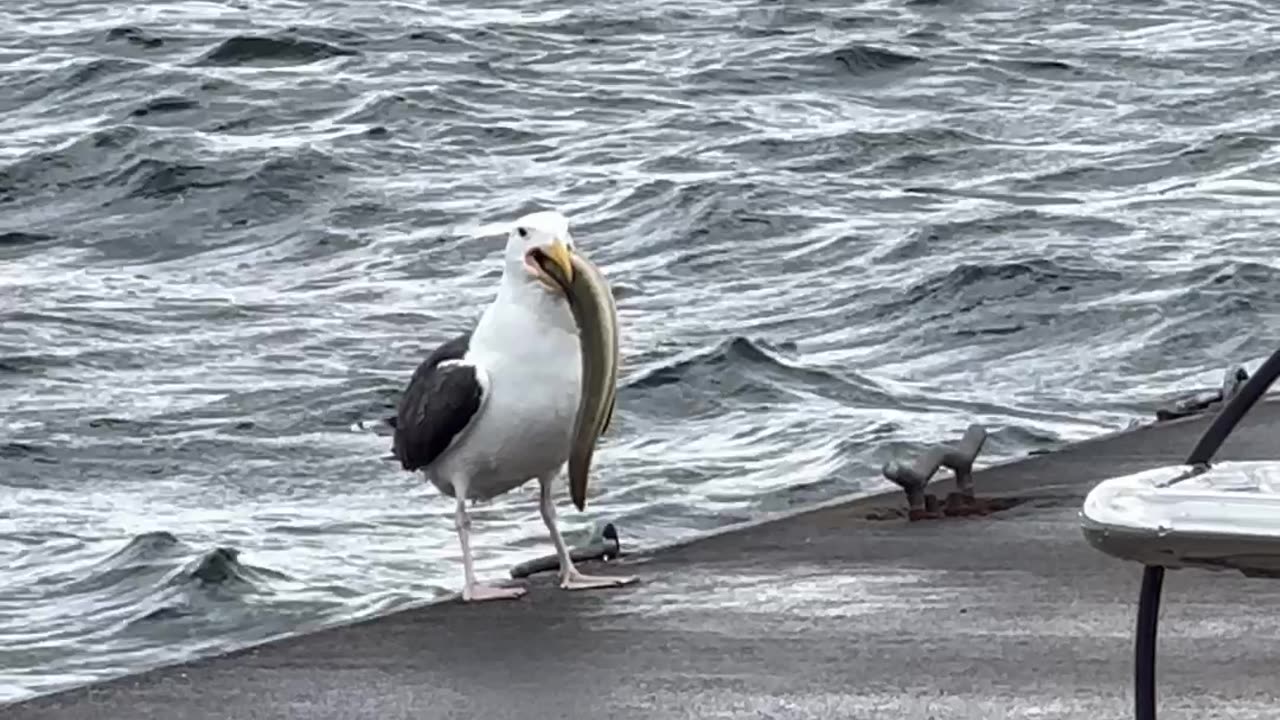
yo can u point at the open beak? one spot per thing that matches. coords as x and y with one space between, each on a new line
556 261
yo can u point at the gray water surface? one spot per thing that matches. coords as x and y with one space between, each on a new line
229 230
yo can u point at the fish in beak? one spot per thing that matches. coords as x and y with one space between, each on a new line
554 264
594 312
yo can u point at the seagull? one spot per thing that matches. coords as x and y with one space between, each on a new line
494 407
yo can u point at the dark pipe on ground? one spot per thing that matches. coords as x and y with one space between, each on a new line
605 546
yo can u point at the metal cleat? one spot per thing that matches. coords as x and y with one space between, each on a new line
1232 380
959 458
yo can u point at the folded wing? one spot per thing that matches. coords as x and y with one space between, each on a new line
443 399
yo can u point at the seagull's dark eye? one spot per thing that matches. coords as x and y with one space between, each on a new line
522 232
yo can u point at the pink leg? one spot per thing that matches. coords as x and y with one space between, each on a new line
474 591
570 578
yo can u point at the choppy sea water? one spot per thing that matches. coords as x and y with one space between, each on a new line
229 230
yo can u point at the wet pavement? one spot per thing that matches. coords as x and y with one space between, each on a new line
822 614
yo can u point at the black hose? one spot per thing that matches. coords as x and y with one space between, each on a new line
1144 646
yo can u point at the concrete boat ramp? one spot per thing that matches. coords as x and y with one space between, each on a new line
835 612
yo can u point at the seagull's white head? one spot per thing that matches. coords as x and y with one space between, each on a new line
538 239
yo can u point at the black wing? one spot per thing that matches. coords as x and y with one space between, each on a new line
442 398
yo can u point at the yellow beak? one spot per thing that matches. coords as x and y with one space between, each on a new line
558 253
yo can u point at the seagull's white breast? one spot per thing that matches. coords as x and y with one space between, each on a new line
529 347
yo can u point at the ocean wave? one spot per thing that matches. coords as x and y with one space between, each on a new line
135 36
1156 165
153 575
281 49
855 149
859 60
970 284
735 372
